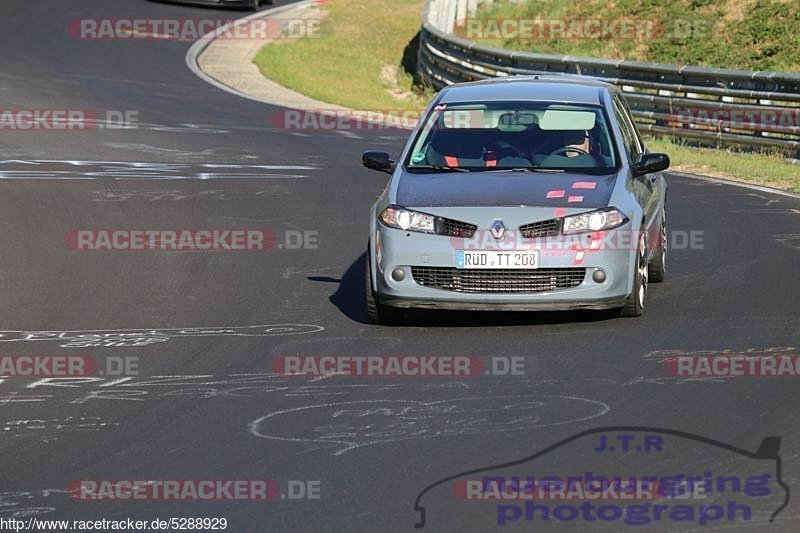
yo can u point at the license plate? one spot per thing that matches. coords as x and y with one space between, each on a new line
497 259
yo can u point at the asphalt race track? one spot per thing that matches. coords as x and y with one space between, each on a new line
209 159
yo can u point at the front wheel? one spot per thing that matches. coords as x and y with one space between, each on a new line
634 303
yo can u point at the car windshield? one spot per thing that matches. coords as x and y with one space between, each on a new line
525 136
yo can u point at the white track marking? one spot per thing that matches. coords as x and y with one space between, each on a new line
147 336
140 170
255 430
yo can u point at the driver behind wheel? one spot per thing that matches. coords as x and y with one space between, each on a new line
578 139
577 148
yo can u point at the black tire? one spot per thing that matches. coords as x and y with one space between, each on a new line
377 313
634 303
658 266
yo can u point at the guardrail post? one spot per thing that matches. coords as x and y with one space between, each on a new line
450 20
461 13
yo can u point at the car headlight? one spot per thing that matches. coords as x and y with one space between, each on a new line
602 219
398 217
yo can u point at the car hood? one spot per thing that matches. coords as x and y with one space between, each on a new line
504 189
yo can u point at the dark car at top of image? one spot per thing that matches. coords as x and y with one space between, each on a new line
252 4
518 193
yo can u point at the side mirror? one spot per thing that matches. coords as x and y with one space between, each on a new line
377 161
651 162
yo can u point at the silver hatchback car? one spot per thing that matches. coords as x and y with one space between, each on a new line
518 193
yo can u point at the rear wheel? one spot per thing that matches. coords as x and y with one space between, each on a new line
658 266
634 303
378 313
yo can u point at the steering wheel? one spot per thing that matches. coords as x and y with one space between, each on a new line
568 149
504 149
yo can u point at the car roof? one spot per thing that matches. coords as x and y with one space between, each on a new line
567 89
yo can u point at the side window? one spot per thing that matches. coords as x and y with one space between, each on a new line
637 136
632 145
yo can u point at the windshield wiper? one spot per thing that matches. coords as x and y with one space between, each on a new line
437 168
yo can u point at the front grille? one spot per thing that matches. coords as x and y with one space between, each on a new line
545 228
501 280
454 228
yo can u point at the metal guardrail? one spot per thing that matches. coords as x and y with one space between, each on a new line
706 105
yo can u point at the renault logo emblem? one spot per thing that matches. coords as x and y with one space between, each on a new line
497 228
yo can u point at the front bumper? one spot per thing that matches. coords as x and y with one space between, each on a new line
395 248
463 305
